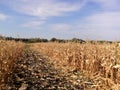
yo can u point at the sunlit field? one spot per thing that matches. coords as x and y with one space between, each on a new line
10 51
59 44
99 62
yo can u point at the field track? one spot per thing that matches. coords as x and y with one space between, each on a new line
35 72
58 66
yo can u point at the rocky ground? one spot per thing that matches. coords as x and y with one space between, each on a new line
34 72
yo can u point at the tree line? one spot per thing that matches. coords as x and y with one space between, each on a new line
37 40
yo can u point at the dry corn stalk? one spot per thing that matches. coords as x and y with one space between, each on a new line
93 59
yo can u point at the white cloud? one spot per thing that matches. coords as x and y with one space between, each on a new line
108 4
34 24
100 26
60 27
3 17
105 25
45 8
105 20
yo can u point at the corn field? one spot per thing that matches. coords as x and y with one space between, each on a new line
10 51
100 62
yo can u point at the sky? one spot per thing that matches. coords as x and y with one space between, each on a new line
63 19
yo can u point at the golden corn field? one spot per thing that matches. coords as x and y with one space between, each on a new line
100 63
10 51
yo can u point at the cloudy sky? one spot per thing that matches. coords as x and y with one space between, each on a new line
85 19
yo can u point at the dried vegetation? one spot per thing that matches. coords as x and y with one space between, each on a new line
99 62
60 66
10 51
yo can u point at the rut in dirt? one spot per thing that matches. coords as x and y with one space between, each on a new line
34 72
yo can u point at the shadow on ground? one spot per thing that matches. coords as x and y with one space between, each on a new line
34 72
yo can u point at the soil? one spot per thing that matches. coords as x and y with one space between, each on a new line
35 72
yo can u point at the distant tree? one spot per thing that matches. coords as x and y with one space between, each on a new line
61 41
77 40
44 40
53 40
9 38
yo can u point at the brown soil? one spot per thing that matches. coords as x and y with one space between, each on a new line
35 72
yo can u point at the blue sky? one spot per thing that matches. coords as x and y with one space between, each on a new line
65 19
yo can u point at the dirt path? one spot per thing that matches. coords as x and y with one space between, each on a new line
35 72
